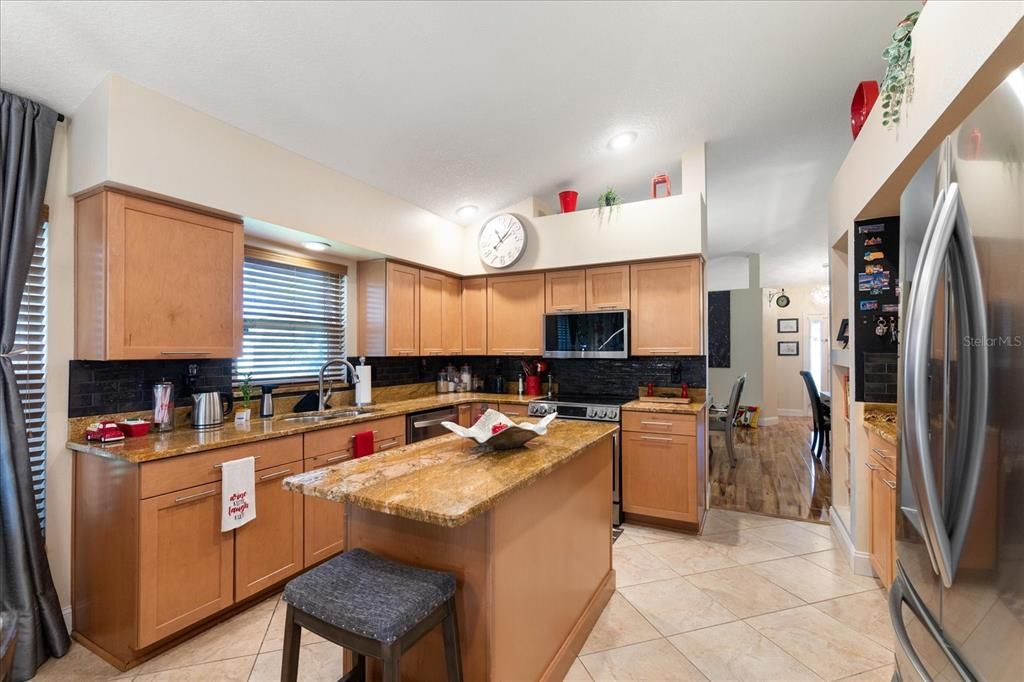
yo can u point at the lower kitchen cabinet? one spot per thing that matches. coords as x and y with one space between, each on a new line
268 549
186 565
881 464
659 476
323 520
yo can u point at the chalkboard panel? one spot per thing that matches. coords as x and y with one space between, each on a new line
875 263
719 321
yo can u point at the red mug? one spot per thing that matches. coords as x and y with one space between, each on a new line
532 385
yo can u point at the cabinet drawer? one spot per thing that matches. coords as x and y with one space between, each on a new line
656 422
178 473
339 439
514 409
882 452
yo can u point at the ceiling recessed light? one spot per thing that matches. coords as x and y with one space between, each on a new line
622 140
467 212
316 246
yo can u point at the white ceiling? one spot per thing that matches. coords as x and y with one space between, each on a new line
447 103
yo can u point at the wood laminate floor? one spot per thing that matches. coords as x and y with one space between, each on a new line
774 474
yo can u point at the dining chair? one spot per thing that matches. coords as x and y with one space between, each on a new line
821 417
727 422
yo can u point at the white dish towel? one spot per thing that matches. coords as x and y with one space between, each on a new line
238 493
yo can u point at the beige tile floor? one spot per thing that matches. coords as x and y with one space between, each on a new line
754 598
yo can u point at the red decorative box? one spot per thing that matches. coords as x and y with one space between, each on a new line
133 429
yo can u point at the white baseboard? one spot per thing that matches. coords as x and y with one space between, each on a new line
791 413
66 612
767 421
860 562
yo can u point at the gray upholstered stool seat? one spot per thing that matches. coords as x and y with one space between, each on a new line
373 607
369 595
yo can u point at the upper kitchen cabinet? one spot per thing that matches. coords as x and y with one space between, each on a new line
389 310
474 316
155 281
565 291
608 288
666 305
440 314
515 312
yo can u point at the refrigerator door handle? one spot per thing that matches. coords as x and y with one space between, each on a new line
972 420
915 382
902 592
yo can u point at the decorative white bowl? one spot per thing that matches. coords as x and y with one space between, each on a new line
514 436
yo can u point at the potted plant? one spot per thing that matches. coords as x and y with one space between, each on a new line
608 203
898 84
243 413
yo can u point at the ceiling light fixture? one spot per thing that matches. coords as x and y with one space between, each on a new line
467 212
316 246
622 140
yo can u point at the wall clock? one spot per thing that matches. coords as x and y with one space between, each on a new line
502 241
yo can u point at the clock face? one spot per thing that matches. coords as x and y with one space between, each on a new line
502 241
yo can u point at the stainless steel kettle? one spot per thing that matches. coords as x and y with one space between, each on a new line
208 409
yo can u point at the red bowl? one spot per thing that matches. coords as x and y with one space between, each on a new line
864 98
134 429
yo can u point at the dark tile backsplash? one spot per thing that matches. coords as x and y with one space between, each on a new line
125 386
880 377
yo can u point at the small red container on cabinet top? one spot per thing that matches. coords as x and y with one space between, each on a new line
864 98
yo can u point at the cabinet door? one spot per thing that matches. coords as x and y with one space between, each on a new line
174 282
474 316
515 313
514 410
452 315
608 288
268 549
659 476
882 528
186 565
565 291
323 520
666 307
403 304
431 312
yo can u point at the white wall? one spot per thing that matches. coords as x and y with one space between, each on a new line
784 393
729 272
59 350
745 331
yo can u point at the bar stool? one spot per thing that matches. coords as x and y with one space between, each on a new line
373 607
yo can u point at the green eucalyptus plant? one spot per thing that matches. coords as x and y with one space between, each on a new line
245 388
607 203
898 84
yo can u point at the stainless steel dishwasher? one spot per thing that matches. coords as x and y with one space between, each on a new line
423 425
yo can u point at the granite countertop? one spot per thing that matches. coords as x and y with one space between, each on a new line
446 481
183 441
664 408
880 418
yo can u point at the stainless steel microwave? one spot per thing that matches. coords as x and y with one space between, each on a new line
602 334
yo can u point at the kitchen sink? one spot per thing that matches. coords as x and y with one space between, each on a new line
318 417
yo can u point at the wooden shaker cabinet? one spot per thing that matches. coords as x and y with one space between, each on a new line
565 291
155 281
666 307
608 288
474 316
431 312
515 313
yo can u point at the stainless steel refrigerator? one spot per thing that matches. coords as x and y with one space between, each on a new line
957 603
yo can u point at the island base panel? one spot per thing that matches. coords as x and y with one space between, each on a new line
534 572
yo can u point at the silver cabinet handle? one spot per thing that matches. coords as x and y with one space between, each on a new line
337 458
197 496
658 438
869 465
891 484
652 423
221 465
564 307
387 444
353 436
185 352
881 454
606 307
276 474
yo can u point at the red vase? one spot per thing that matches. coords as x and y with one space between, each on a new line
864 98
567 199
533 385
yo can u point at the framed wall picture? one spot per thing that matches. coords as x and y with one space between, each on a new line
787 348
787 325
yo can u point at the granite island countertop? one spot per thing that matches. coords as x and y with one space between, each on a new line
184 441
694 407
448 480
880 418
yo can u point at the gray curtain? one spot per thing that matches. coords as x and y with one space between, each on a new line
29 598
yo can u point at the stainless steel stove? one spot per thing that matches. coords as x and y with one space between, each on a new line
596 409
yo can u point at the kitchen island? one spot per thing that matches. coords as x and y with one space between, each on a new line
527 533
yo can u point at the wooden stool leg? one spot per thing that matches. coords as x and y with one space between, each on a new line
452 655
391 666
292 640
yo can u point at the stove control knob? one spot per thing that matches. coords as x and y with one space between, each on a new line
613 414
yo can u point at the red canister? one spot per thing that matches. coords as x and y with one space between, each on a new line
533 385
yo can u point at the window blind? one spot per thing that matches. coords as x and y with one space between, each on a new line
30 368
294 321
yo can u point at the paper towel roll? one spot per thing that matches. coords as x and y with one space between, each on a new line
364 389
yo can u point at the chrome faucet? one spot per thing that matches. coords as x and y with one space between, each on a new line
322 404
